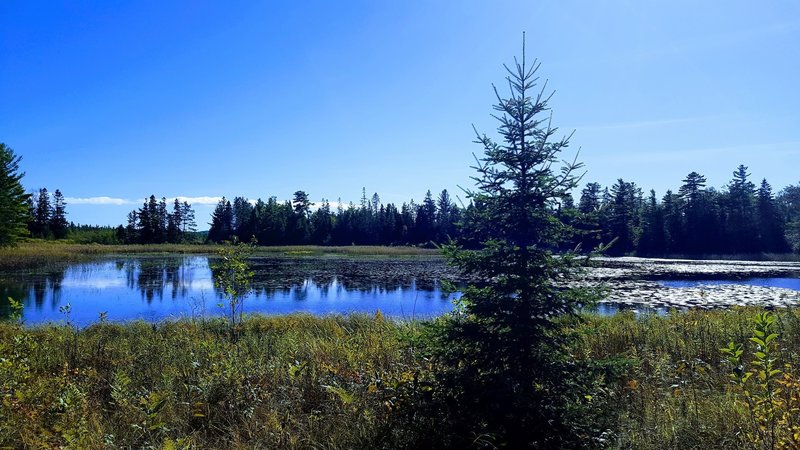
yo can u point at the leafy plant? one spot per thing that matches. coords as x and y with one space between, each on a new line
232 275
772 395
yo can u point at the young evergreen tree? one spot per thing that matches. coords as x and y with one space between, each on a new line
13 199
58 217
505 372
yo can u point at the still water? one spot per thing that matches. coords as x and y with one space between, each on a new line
157 288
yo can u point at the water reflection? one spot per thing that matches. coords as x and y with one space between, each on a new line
154 288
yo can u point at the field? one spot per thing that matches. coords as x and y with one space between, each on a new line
361 382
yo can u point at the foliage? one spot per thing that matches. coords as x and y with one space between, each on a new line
13 199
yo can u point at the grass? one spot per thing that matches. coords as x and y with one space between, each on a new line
679 392
287 382
358 382
38 253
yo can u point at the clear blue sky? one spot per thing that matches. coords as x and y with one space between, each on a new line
210 98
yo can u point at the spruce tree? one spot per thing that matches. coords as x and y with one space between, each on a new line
505 372
13 199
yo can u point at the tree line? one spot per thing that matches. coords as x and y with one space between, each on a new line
47 215
741 218
155 223
694 220
300 221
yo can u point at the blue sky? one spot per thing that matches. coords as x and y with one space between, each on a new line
112 101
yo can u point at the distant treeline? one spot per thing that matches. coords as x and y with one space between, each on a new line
742 218
155 223
301 222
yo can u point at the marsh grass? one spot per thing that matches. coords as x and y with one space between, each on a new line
357 381
678 392
286 382
39 253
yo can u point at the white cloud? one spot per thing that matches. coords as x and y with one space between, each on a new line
97 201
197 200
194 201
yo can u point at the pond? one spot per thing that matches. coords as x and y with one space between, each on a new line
157 288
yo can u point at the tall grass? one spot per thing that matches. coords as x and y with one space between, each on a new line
287 382
678 392
358 381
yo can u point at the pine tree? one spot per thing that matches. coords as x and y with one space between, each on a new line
221 222
425 221
652 241
771 229
41 222
13 199
300 230
692 194
58 217
162 222
624 217
174 223
188 225
242 213
132 229
740 226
